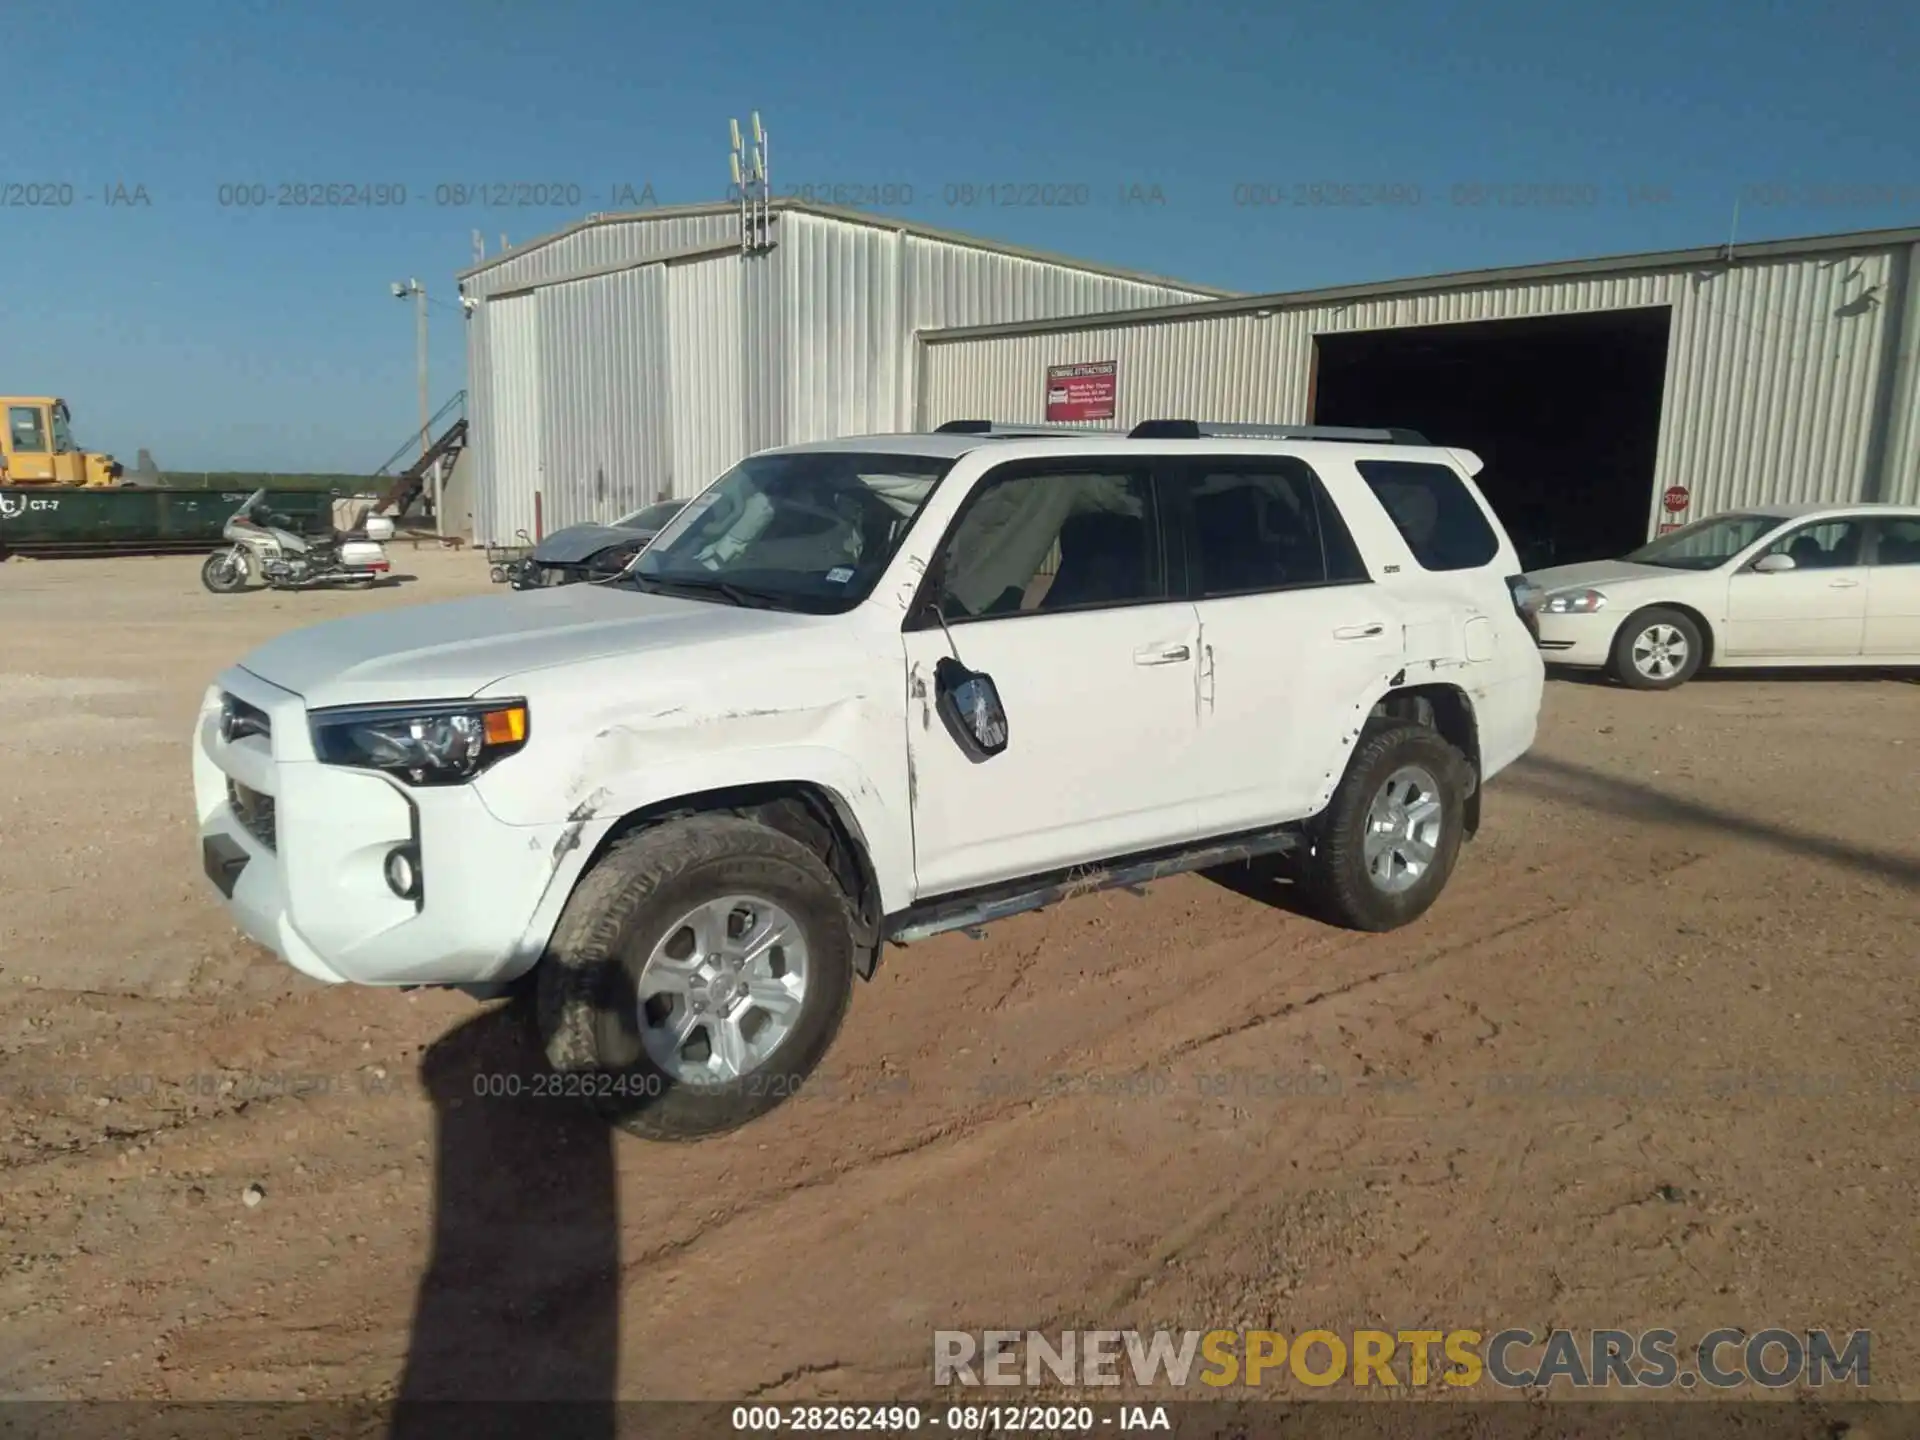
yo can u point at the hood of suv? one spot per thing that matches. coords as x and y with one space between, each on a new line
455 648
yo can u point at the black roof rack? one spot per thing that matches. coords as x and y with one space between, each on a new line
1000 427
1208 430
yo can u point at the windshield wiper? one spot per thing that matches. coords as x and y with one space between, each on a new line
731 593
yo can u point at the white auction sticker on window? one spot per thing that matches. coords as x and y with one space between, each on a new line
839 575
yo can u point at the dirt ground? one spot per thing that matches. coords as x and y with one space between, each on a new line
1652 1060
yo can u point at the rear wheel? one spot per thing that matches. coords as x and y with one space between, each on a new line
1385 845
697 976
1657 649
225 571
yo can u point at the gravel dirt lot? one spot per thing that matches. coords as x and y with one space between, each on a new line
1652 1060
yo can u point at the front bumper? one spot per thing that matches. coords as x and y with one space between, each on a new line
297 851
1580 640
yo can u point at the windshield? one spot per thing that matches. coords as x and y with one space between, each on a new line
1705 544
804 530
650 517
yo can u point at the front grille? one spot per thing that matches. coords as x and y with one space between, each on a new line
253 810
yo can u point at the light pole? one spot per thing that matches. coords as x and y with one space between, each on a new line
419 294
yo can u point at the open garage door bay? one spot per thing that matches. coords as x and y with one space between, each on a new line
1565 411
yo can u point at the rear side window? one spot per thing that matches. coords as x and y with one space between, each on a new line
1435 514
1260 525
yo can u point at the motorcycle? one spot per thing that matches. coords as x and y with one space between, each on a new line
286 560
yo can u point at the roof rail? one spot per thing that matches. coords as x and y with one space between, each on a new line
1208 430
1000 427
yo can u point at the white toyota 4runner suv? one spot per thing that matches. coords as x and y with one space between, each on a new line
870 690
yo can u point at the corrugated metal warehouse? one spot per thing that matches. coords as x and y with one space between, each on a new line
1608 397
633 357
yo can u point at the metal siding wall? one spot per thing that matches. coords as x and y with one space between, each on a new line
1770 368
955 285
513 420
767 346
608 243
478 456
608 439
707 339
855 294
841 323
653 384
1903 444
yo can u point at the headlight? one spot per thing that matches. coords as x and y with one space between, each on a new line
1573 602
430 743
612 562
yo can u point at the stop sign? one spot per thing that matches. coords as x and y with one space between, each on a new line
1676 499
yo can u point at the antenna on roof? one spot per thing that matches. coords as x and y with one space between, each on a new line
739 180
1733 229
748 168
761 149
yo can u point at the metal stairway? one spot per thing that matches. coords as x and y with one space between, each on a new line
410 484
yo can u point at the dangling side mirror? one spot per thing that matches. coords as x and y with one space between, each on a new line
970 708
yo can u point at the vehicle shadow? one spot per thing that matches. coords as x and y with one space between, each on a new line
1565 783
1801 675
1270 879
520 1302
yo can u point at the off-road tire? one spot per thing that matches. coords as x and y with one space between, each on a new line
1620 663
215 576
584 998
1334 872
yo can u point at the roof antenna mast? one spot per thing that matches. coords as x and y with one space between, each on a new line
748 168
760 153
739 181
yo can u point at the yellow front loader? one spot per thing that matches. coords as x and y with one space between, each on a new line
36 446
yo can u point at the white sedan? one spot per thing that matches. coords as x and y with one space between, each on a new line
1772 586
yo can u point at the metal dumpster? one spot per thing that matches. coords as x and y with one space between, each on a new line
63 520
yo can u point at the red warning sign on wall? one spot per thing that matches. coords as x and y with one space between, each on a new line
1083 392
1675 499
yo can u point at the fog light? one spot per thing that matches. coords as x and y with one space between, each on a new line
403 872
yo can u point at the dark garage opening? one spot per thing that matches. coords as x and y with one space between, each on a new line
1565 411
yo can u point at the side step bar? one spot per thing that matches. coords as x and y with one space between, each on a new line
970 909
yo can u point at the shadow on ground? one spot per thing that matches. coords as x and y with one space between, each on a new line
521 1296
1565 783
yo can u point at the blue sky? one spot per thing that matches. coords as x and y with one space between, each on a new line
222 336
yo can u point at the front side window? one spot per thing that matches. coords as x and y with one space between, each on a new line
1899 543
1433 511
1705 544
805 530
1261 526
1030 543
28 429
62 431
1824 546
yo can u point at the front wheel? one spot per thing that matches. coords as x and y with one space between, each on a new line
697 976
1384 846
1657 649
225 571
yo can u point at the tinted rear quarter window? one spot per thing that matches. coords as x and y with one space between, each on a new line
1434 512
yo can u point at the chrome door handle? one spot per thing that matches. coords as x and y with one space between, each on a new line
1162 655
1843 584
1358 632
